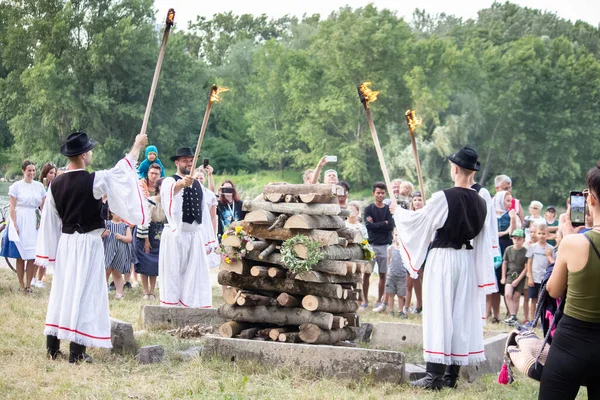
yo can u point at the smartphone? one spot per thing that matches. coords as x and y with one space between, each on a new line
205 162
577 200
331 158
226 190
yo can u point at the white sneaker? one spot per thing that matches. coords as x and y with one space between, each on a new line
33 282
40 284
405 310
380 308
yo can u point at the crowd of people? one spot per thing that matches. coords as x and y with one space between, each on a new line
465 245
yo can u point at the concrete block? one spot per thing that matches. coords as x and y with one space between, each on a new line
151 354
393 335
191 353
364 333
494 357
412 372
122 338
341 362
178 317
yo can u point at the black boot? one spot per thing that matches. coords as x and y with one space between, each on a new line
433 377
451 376
77 354
53 347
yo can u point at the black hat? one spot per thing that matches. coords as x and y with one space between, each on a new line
466 158
551 208
77 143
182 152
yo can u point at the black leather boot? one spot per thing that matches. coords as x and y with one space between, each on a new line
451 376
77 354
53 347
433 377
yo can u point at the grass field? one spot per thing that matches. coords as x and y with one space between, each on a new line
25 373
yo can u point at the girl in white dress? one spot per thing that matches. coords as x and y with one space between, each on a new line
26 199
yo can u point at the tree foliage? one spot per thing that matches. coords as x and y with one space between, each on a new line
522 86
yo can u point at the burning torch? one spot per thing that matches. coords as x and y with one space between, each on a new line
367 96
413 121
213 97
161 55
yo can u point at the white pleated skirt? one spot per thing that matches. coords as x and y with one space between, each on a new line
452 321
183 272
78 305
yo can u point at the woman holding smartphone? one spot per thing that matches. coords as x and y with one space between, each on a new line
229 207
574 357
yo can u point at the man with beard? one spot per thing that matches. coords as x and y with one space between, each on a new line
183 265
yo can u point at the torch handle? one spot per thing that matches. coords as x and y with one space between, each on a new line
161 56
413 141
201 137
384 170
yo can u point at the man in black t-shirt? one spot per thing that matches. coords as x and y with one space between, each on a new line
380 226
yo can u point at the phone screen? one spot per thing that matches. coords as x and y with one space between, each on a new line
577 209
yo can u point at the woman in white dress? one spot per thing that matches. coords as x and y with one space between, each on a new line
209 226
26 199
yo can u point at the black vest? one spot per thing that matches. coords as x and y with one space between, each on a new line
466 218
192 202
73 194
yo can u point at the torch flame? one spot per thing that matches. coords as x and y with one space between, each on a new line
215 91
170 17
412 120
366 94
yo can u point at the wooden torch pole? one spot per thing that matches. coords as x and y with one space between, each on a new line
161 56
213 91
412 122
386 175
366 96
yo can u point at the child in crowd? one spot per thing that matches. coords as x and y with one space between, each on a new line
415 204
540 255
151 158
395 281
353 220
117 240
552 223
514 274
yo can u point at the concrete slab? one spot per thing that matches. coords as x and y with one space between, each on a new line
151 354
122 338
178 317
341 362
412 372
393 335
494 355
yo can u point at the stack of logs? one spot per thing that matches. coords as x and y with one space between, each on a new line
266 301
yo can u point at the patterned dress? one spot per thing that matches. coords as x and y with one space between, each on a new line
117 254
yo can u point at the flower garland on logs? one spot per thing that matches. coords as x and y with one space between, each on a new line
296 264
231 254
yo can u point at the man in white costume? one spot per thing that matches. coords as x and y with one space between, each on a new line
183 264
456 271
70 238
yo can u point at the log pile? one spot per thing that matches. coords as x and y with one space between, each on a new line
264 299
